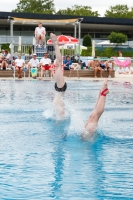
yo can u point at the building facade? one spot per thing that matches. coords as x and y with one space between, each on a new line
97 27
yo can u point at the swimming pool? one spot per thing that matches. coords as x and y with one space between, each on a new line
38 162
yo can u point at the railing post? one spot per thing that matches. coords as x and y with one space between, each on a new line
79 23
11 34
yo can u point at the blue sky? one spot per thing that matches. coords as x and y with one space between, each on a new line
101 6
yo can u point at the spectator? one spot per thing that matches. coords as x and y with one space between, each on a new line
103 65
19 65
120 53
129 70
90 64
2 55
110 67
34 63
40 33
120 70
53 68
97 68
67 63
6 59
45 64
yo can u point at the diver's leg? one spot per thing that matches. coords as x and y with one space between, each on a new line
59 78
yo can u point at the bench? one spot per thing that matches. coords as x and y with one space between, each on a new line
10 73
82 73
87 73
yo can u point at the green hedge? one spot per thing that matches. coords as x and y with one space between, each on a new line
67 52
5 47
107 52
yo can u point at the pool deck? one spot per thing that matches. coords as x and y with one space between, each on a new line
118 77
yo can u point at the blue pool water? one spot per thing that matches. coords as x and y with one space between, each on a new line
44 159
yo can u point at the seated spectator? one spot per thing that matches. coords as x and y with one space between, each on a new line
45 64
53 68
67 63
34 63
2 55
97 68
129 70
120 70
90 64
19 65
102 65
40 33
81 64
6 60
110 67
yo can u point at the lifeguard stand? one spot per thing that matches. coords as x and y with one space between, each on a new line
56 22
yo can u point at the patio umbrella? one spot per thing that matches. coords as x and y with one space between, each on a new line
64 39
93 48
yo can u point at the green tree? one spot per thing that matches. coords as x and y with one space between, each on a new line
5 46
87 41
35 6
117 37
79 11
119 11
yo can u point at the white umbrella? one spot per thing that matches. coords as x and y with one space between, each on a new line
106 42
72 46
93 48
19 44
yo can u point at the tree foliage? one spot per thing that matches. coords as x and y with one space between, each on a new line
117 37
5 46
79 11
119 11
35 6
87 41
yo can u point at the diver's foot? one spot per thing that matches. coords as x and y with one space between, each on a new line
104 88
53 38
104 84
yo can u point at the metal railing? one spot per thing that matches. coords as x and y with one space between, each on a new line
25 40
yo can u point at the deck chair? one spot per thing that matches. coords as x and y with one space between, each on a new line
73 67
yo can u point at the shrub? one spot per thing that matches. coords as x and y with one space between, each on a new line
107 52
87 41
117 37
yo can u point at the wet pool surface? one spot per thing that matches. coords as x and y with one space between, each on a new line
42 159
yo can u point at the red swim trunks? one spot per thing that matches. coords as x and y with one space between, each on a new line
46 67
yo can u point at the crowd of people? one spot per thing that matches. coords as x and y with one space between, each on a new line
97 65
109 65
125 70
35 66
100 66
